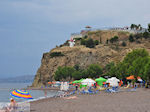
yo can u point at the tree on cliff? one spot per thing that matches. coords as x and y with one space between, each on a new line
94 71
146 75
67 73
64 73
149 27
134 63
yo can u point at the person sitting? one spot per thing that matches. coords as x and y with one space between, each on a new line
13 106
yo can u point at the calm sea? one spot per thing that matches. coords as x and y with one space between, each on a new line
7 88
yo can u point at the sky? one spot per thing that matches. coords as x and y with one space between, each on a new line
29 28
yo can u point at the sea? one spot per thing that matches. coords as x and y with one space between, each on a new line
7 88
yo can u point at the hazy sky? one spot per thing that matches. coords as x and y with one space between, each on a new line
28 28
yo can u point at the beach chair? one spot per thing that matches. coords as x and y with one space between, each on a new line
112 90
83 92
132 90
107 91
91 92
101 88
127 86
72 92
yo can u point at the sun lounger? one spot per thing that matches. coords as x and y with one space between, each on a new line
72 92
132 90
84 92
113 90
101 88
91 92
127 86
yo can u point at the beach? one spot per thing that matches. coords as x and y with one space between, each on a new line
137 101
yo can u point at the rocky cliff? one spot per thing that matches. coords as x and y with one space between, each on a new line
102 54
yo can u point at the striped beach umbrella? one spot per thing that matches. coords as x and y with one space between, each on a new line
21 94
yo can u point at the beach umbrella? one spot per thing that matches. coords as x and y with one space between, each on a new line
49 82
53 82
88 82
130 77
100 81
139 79
113 81
74 82
21 94
77 81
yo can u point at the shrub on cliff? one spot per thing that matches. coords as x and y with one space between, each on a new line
114 39
146 35
89 42
124 44
131 38
96 42
56 54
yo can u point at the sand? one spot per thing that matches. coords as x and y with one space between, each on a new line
138 101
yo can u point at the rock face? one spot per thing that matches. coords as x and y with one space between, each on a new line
102 54
102 36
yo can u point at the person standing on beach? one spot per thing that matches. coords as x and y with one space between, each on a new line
45 93
76 87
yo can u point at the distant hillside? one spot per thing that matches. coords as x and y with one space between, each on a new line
18 79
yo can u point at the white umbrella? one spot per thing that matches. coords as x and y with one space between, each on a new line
88 82
140 80
113 81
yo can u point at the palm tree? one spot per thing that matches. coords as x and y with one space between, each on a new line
132 26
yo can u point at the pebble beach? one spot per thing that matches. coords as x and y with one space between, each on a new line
137 101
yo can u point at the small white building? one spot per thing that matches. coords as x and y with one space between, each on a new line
71 42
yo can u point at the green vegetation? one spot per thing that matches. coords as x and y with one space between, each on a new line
149 27
135 63
96 42
146 35
64 73
134 26
114 39
85 37
93 71
76 39
124 44
89 42
137 36
56 54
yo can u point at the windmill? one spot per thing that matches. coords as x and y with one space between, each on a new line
71 42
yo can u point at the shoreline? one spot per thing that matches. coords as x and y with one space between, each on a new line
48 88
